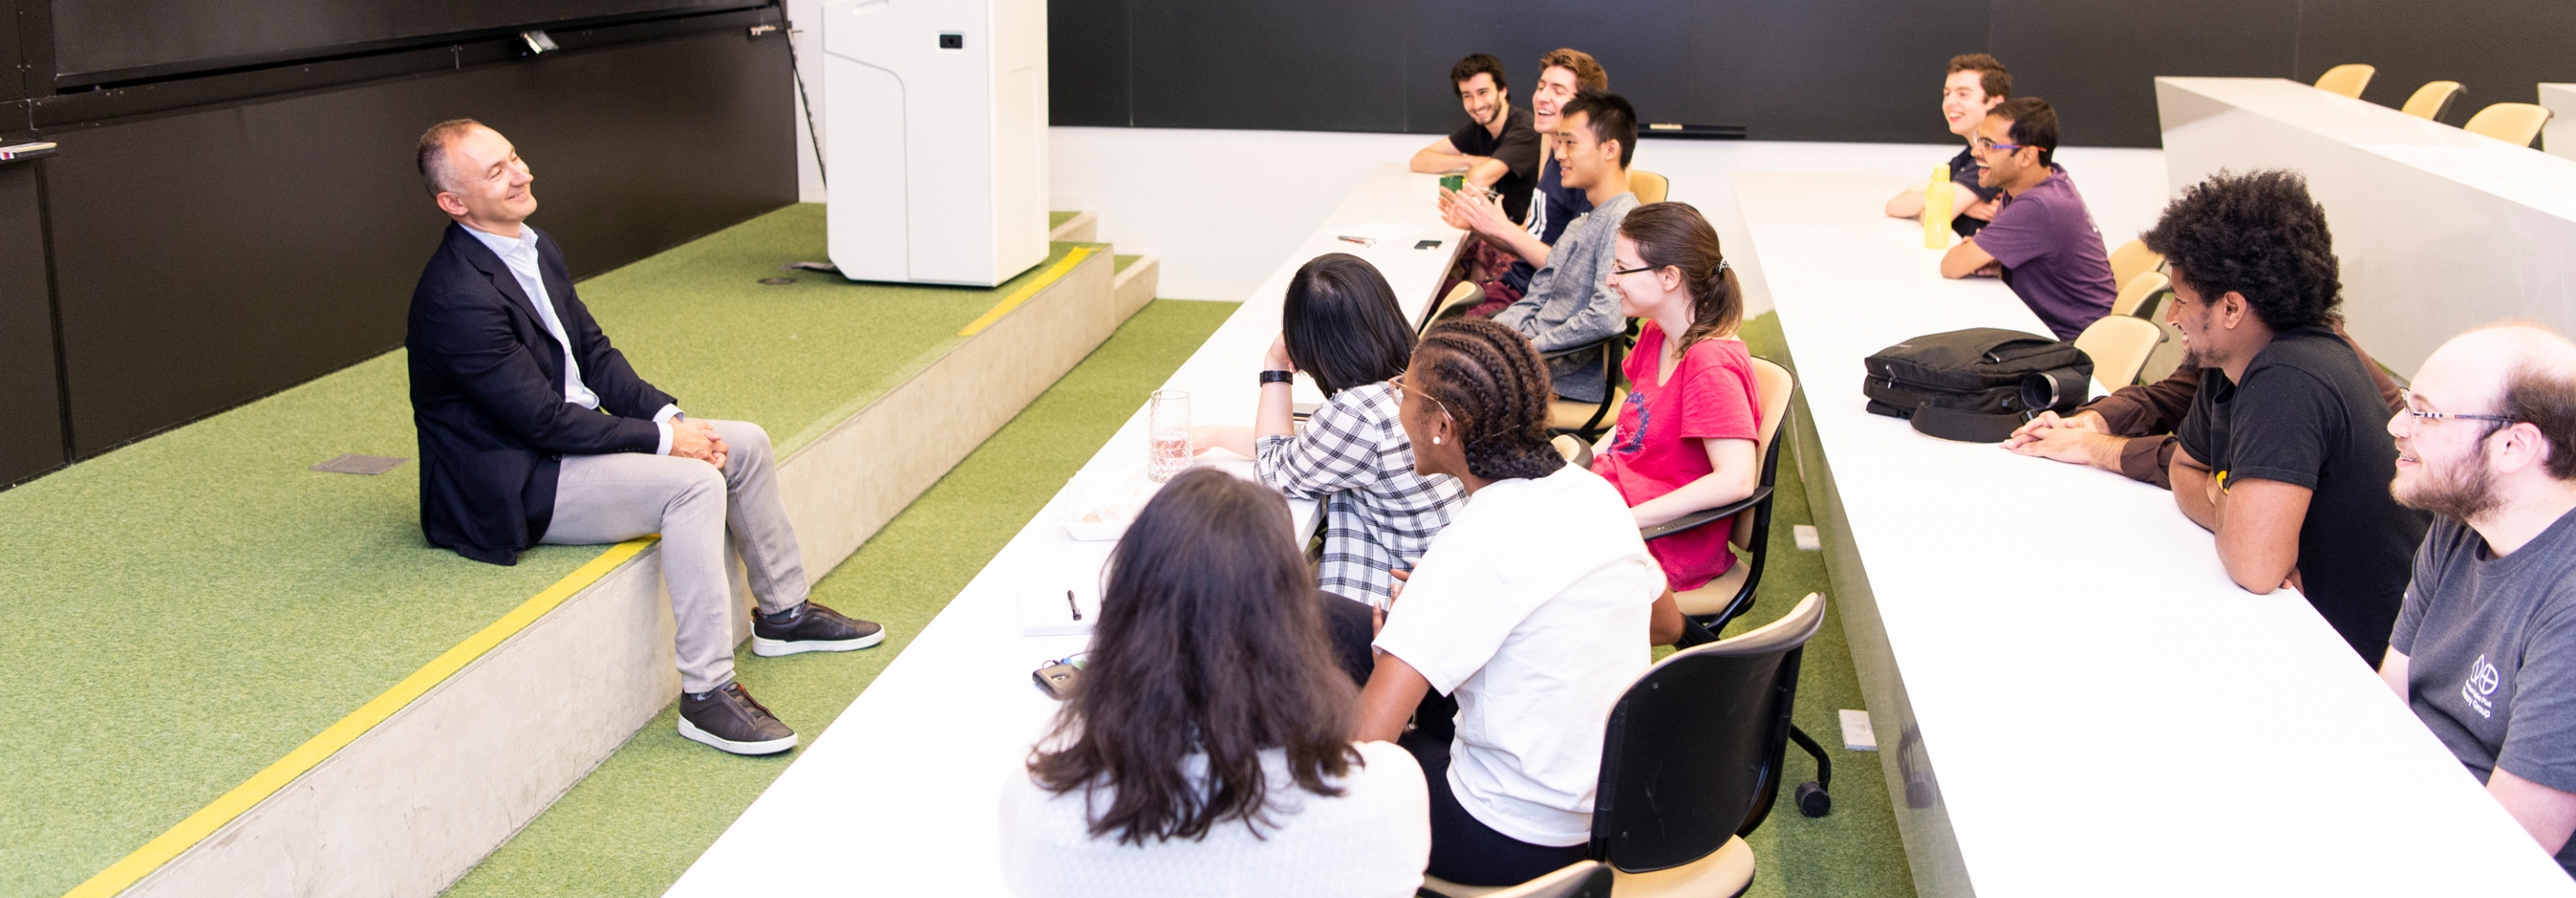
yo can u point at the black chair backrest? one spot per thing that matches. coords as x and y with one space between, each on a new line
1693 752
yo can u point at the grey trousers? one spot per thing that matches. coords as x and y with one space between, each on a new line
613 498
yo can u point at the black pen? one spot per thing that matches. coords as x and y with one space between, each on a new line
1068 602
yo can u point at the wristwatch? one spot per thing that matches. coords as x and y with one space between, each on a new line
1277 377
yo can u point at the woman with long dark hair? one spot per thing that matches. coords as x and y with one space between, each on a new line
1205 748
1340 325
1532 610
1686 436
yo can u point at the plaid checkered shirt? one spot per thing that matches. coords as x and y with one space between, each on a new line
1378 513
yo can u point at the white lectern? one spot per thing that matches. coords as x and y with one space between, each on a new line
935 116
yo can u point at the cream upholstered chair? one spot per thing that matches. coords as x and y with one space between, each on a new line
2118 345
2347 79
1648 186
2132 259
2513 123
1581 879
1461 298
1731 593
2432 100
2134 292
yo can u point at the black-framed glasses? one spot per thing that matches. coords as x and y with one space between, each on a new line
1623 272
2408 397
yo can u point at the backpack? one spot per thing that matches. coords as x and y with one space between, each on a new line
1976 385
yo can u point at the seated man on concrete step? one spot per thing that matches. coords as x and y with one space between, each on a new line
1975 84
2282 454
1498 146
1570 302
2042 241
534 429
2131 431
1508 253
2485 645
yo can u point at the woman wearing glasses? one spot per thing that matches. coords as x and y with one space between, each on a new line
1536 639
1686 437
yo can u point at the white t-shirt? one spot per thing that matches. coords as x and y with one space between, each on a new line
1533 608
1374 840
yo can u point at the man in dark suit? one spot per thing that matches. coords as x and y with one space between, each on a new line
534 429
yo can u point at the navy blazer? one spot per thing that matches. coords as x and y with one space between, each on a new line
487 395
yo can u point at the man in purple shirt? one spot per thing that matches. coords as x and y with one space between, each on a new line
2042 241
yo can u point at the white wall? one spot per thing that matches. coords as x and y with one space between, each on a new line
809 62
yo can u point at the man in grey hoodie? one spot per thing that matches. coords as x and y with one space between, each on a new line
1569 302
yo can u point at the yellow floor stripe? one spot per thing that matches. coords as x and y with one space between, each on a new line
250 793
1013 301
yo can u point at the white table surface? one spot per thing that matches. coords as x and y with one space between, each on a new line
2439 230
2103 711
900 795
2558 138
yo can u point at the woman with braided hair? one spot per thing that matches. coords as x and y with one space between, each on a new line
1535 640
1686 435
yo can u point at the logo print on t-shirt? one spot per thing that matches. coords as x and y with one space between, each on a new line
2482 683
1637 440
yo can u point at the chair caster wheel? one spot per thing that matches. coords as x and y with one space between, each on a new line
1812 799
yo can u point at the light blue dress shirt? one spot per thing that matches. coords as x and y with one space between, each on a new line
520 254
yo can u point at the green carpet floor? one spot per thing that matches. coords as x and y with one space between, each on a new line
646 814
184 611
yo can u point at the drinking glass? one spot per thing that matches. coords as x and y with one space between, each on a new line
1168 421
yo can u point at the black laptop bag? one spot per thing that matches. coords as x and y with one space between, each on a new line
1976 385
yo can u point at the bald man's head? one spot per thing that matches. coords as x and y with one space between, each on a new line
2502 401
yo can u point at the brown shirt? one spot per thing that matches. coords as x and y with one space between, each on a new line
2148 414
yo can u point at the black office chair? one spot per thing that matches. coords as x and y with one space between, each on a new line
1691 762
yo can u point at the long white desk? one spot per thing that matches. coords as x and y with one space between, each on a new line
2071 697
900 795
2439 230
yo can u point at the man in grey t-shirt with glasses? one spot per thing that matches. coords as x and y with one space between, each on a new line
2485 645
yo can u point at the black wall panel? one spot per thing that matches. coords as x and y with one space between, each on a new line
1087 62
1829 69
1649 66
209 258
1860 70
97 37
2497 50
2097 62
30 398
1325 65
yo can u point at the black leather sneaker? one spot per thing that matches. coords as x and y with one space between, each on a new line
811 628
730 720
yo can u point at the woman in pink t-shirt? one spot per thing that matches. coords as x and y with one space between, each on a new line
1686 436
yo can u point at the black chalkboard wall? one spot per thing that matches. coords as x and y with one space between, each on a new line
233 209
98 41
1862 70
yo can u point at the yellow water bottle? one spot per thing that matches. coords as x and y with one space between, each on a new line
1936 208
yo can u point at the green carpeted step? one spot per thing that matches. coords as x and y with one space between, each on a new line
1121 262
1057 219
639 820
186 610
